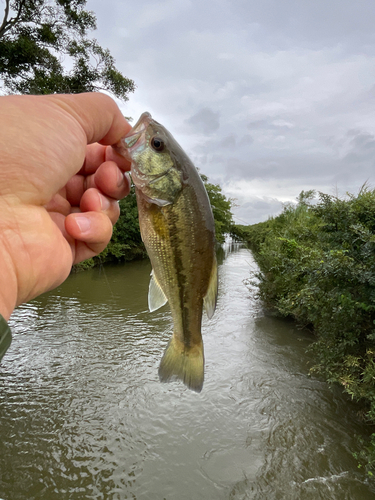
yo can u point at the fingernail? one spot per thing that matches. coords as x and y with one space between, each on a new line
120 178
83 223
104 202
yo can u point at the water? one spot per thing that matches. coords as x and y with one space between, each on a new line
84 416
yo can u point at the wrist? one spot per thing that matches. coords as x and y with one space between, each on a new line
5 309
7 305
8 286
8 280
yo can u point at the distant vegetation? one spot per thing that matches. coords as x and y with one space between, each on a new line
126 242
317 265
221 209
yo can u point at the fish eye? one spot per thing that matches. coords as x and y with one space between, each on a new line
157 144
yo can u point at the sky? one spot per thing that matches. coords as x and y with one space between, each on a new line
268 98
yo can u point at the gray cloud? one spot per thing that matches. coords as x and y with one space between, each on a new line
268 98
228 142
246 140
257 209
205 120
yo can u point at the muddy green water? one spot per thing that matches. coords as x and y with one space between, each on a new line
83 415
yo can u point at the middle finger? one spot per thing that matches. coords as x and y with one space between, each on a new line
94 201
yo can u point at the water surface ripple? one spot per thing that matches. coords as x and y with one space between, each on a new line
84 416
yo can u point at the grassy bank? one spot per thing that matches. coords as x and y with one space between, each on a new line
317 265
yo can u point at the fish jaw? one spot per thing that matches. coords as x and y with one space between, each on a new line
135 139
153 173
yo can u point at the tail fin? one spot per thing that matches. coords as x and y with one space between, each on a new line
182 362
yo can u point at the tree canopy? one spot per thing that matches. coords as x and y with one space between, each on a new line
45 48
221 209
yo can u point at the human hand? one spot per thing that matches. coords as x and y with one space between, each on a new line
59 182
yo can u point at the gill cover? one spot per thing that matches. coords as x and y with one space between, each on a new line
154 170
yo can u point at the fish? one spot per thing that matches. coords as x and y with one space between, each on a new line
178 230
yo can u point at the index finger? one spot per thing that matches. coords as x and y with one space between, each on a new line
96 154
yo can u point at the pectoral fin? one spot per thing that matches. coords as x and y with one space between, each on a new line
157 201
210 298
156 296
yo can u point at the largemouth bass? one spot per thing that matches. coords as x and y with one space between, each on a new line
178 230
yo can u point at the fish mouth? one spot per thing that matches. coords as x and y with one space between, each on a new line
135 138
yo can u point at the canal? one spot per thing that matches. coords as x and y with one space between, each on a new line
84 416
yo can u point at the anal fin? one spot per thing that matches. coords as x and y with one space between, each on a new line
156 296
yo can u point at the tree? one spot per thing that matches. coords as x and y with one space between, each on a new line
221 209
126 242
38 36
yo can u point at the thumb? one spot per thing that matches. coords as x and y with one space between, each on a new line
98 115
91 232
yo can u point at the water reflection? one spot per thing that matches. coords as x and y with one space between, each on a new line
83 414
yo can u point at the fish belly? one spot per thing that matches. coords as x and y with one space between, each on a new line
179 239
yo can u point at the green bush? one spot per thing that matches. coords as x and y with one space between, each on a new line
317 265
126 242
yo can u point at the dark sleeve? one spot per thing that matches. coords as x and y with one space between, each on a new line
5 336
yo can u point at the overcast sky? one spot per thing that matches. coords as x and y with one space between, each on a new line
267 97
